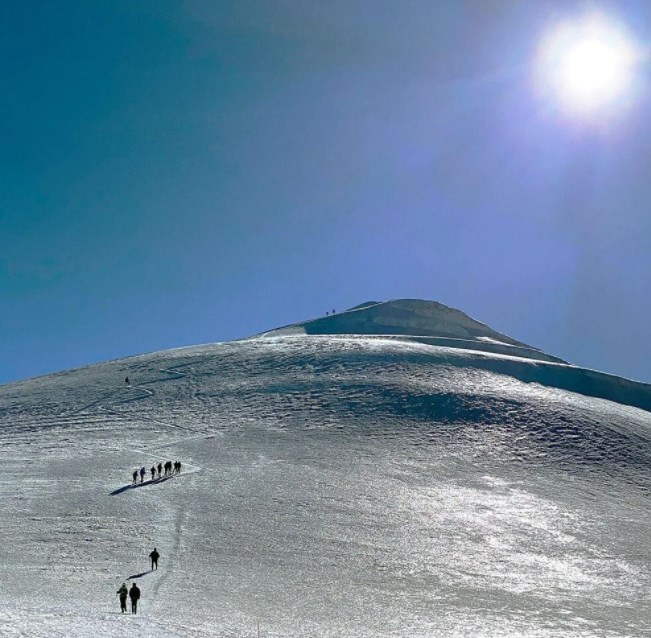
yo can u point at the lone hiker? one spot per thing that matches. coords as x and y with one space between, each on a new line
126 380
154 558
134 594
122 593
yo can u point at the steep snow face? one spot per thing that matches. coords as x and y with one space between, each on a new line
332 486
416 317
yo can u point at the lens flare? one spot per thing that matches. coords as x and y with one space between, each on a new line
588 64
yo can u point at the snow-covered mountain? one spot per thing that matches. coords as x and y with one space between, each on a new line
396 470
416 317
435 324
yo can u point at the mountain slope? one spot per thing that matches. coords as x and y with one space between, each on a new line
416 317
435 324
333 486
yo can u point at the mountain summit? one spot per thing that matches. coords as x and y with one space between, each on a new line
443 325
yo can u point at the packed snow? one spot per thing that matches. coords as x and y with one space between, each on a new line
331 486
415 317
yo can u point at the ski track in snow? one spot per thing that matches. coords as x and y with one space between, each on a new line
331 486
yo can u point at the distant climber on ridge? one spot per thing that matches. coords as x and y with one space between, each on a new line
154 558
126 381
135 475
160 469
142 473
153 472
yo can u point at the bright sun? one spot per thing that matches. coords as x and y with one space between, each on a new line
588 64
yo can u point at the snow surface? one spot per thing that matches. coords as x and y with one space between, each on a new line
332 486
415 317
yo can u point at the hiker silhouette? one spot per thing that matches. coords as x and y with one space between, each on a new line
154 558
134 594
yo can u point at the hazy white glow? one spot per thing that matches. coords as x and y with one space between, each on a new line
588 64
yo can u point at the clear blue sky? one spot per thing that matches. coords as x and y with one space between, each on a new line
185 172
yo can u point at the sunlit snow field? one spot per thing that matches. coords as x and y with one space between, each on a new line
331 486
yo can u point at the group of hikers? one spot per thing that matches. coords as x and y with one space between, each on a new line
156 471
134 592
169 468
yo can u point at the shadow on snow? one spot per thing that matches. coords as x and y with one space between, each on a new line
134 486
140 575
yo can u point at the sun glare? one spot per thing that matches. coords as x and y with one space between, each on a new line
588 64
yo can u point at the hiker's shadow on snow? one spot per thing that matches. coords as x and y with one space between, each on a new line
140 575
135 486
